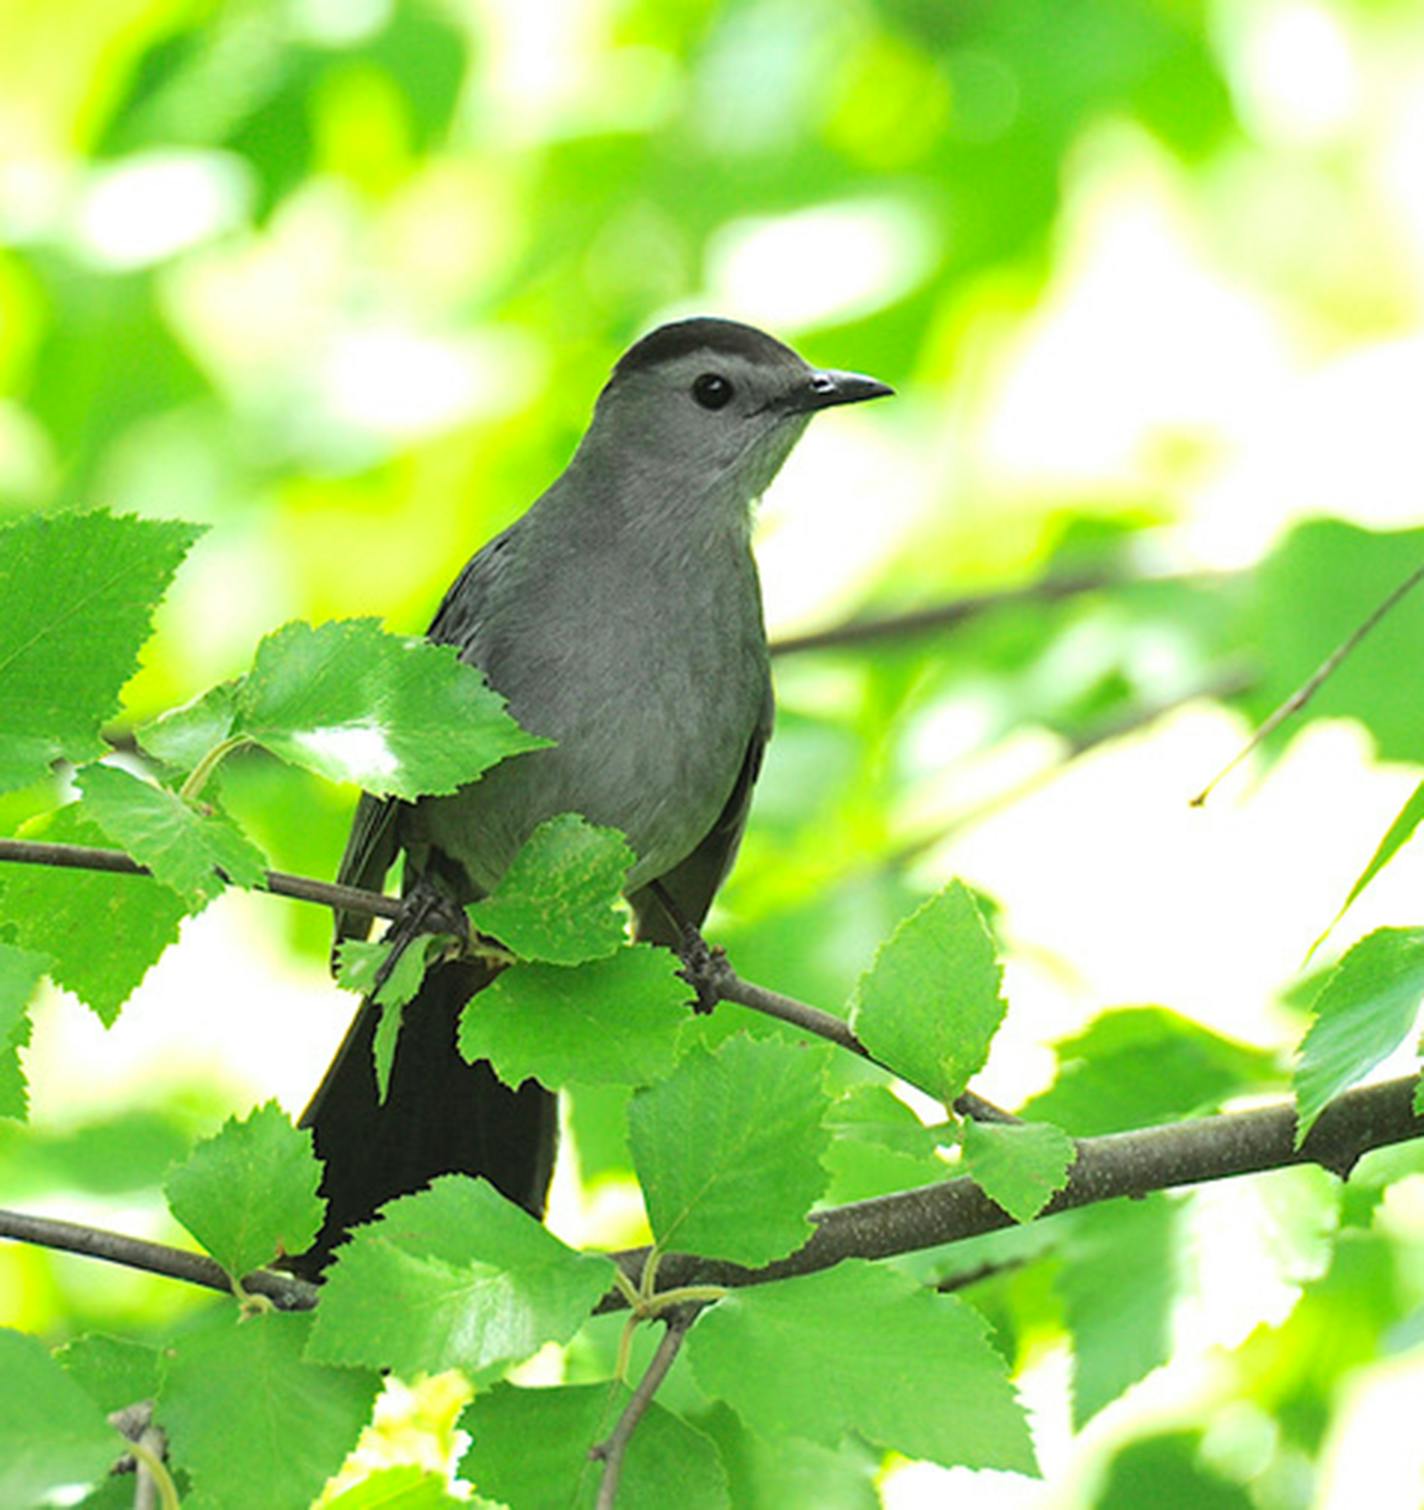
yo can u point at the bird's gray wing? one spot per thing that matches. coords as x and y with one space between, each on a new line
374 840
693 882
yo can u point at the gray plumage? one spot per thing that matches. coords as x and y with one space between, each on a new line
621 617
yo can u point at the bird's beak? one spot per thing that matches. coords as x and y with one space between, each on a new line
826 388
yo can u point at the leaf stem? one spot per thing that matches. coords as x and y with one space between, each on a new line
152 1464
201 773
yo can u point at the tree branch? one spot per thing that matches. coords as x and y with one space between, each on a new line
1107 1167
715 972
947 615
283 1290
611 1450
279 882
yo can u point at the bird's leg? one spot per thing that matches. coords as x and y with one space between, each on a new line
425 909
702 964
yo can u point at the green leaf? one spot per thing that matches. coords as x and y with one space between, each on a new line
183 847
14 1090
611 1021
454 1277
182 736
408 1487
20 972
248 1193
1364 1012
1140 1065
112 1371
531 1450
1397 836
53 1438
728 1149
863 1348
1018 1165
878 1145
253 1422
359 961
789 1471
79 592
101 932
1166 1471
1305 599
397 716
559 900
1119 1285
358 964
930 1005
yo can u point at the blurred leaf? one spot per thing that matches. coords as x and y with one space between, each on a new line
1363 1013
184 848
249 1193
393 714
728 1150
79 593
453 1277
1141 1065
611 1021
1119 1283
557 901
228 1381
408 1487
1020 1166
101 932
114 1155
771 1475
52 1435
113 1371
1168 1473
860 1348
1314 590
531 1448
1396 837
930 1004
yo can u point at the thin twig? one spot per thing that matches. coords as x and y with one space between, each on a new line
724 984
279 882
1312 684
611 1450
285 1291
1107 1167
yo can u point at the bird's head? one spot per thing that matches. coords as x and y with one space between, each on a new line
716 404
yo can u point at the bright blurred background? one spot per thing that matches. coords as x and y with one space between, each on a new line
341 278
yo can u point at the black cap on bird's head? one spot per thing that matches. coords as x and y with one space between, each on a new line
705 335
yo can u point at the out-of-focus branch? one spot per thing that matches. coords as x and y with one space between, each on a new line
938 616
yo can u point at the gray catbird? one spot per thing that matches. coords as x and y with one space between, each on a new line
620 616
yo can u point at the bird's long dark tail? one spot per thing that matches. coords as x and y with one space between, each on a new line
440 1116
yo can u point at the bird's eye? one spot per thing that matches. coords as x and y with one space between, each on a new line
712 391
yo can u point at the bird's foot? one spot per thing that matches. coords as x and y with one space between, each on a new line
703 966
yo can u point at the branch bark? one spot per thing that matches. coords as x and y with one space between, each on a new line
947 615
1108 1167
279 882
611 1450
